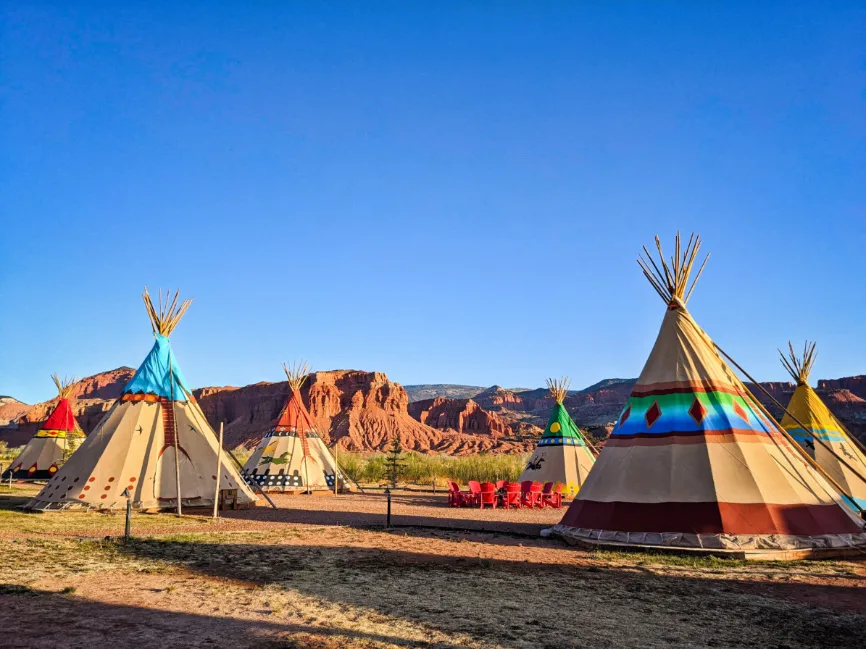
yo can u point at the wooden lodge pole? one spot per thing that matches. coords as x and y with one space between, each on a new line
336 469
219 470
174 431
790 439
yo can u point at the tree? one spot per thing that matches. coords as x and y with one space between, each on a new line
394 461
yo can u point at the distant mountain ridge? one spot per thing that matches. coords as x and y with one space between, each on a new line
449 390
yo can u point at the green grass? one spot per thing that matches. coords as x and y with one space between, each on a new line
422 469
8 454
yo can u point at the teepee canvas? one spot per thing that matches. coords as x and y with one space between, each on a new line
292 456
562 455
58 437
818 431
695 463
154 441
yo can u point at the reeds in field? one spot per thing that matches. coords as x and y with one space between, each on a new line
422 469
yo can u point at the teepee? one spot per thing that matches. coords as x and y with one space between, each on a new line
694 462
562 455
55 441
154 442
818 431
292 456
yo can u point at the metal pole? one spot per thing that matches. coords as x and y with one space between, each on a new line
219 470
128 526
388 517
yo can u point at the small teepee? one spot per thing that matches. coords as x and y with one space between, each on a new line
818 431
694 462
53 443
562 455
292 456
154 442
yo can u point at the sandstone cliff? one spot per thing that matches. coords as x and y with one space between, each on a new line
358 411
459 415
854 384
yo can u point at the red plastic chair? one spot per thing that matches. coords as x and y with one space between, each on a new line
488 495
535 492
511 498
545 492
554 498
474 495
500 484
526 493
455 496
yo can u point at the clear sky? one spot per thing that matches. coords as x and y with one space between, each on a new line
445 192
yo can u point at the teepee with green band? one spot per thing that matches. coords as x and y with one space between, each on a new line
562 455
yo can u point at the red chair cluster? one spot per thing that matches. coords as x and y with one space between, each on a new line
511 495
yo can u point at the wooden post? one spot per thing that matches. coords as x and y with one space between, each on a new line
219 470
336 469
304 447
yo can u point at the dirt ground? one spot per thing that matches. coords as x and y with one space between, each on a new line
322 573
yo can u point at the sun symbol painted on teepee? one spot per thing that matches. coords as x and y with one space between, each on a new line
555 427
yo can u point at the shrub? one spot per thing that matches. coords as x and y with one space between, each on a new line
421 469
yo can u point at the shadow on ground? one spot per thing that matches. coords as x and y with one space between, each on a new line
530 604
95 624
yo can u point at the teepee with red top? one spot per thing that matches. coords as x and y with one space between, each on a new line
292 456
55 440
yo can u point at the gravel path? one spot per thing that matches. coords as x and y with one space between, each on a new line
410 509
407 509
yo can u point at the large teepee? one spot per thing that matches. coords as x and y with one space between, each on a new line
292 456
154 441
818 431
562 455
55 441
695 463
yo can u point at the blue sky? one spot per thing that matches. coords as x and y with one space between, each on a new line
445 192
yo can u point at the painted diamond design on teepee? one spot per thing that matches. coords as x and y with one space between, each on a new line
652 414
742 414
697 411
625 415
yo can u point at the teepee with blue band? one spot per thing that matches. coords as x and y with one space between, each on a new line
562 455
154 443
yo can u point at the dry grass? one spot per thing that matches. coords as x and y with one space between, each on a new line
300 585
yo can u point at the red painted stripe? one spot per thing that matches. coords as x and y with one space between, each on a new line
168 426
710 518
725 436
684 387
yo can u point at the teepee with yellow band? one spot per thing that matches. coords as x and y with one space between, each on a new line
55 440
818 431
562 455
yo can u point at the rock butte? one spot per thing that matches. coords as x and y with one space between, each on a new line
360 411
